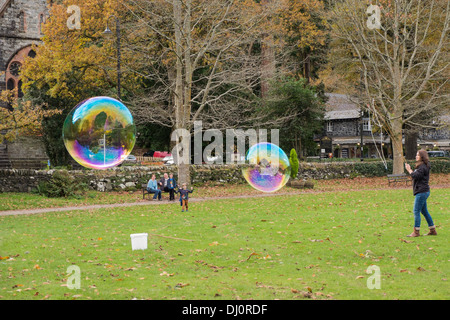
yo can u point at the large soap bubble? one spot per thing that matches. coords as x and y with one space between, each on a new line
268 168
99 133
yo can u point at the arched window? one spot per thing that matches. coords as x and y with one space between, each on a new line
10 84
19 91
21 18
14 68
41 22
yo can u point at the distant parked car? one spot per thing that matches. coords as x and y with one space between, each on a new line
130 158
149 153
168 160
440 153
161 154
213 158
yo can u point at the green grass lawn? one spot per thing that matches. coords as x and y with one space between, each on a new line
312 245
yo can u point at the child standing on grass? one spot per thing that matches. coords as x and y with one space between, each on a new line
184 196
172 184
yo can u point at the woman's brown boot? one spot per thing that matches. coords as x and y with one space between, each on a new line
415 233
432 231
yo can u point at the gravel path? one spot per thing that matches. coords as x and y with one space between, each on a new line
132 204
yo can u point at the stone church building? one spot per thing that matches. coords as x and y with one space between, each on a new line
20 28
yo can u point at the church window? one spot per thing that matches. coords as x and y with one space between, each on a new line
10 84
14 68
21 18
41 22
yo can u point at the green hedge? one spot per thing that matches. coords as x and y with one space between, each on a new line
377 169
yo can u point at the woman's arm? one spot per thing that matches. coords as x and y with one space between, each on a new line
418 173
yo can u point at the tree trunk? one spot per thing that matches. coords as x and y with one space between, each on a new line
300 148
397 147
411 144
307 68
181 115
184 175
268 64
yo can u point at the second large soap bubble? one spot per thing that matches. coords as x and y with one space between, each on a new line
268 168
99 133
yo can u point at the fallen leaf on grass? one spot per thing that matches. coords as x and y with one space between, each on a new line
420 269
318 293
404 270
252 254
164 273
305 294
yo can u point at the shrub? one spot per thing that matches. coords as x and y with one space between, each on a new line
293 160
62 184
440 166
373 169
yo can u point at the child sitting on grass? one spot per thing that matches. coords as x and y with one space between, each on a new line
184 196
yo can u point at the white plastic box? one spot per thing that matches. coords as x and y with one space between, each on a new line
139 241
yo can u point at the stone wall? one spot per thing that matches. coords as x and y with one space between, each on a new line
342 128
26 148
119 178
131 178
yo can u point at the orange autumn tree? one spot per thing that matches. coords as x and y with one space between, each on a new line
22 118
74 64
293 32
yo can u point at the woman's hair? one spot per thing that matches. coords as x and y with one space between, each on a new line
423 158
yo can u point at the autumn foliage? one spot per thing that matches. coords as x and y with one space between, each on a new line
22 118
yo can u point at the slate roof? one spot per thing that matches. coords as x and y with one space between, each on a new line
340 106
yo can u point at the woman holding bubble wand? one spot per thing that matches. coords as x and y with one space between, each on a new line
421 191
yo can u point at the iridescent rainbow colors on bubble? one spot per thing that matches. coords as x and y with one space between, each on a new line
268 167
99 133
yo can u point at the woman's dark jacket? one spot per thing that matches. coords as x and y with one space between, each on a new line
421 178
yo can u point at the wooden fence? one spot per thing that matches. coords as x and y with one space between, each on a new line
148 159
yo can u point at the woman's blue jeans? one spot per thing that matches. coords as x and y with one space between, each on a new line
157 192
420 206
